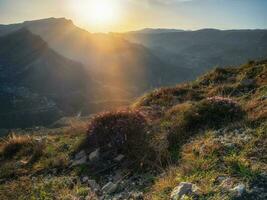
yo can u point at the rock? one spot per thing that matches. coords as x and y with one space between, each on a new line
80 155
85 179
79 162
110 188
94 155
183 188
227 183
93 185
119 158
239 190
21 163
220 179
196 190
137 195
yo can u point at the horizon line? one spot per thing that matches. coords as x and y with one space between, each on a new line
174 29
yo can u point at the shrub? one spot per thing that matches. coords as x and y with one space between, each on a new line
122 130
212 112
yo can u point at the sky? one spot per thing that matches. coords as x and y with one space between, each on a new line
127 15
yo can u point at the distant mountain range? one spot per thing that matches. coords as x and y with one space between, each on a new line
203 49
155 31
51 68
113 60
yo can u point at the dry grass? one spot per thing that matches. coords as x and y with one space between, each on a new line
21 146
14 143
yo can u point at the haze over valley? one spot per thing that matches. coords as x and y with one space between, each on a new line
76 72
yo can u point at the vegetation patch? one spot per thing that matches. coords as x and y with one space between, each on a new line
212 112
21 146
124 131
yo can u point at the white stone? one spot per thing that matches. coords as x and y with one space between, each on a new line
110 188
183 188
94 155
79 162
239 190
85 179
119 158
227 183
80 155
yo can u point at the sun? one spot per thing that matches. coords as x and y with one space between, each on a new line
97 13
103 11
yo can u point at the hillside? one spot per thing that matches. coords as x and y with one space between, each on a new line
202 140
201 50
37 85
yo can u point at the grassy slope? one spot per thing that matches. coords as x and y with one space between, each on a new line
236 149
200 155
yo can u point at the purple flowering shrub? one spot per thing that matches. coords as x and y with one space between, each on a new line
122 130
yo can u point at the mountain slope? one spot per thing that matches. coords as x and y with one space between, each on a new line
36 82
122 65
204 49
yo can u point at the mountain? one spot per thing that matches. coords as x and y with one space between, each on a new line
203 49
202 140
125 69
114 68
37 85
155 31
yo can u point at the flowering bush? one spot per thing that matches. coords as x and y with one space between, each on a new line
123 130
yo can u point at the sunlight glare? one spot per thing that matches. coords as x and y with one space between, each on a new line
98 12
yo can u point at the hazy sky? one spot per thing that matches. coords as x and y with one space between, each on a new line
125 15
